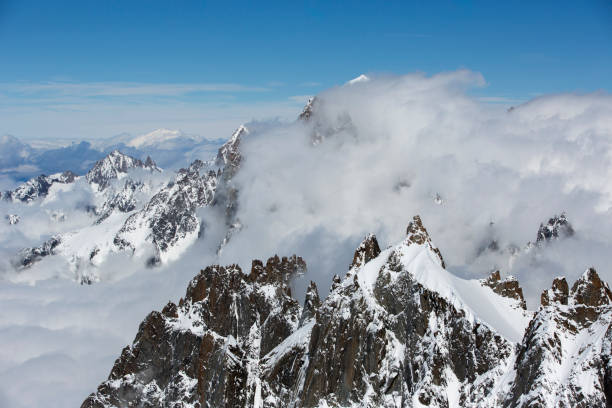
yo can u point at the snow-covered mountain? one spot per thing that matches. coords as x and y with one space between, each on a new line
156 222
397 331
38 187
111 192
171 147
115 165
24 159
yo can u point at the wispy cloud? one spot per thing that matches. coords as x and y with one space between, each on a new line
94 89
310 84
68 109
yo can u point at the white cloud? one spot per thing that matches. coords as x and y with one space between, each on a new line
90 89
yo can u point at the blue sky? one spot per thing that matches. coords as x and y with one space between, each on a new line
89 69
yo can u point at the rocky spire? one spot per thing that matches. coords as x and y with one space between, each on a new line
590 290
557 294
311 303
278 271
417 234
508 287
229 156
112 165
335 282
149 162
367 250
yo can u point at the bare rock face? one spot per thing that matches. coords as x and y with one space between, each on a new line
590 290
312 302
508 287
559 293
367 250
12 219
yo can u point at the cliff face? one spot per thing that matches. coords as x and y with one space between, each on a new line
397 331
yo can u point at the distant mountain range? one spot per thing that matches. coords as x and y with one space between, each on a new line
21 160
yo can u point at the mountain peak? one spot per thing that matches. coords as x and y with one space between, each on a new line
559 292
557 227
417 234
590 290
367 250
311 303
229 155
113 165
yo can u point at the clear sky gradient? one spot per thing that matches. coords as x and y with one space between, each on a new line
89 69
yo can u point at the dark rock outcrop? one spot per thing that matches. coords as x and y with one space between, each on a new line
508 287
591 291
28 256
367 250
556 227
559 293
204 351
417 234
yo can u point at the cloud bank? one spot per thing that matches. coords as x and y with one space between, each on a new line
476 173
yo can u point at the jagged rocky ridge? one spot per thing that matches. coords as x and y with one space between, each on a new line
397 331
113 166
167 219
38 187
556 227
118 199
